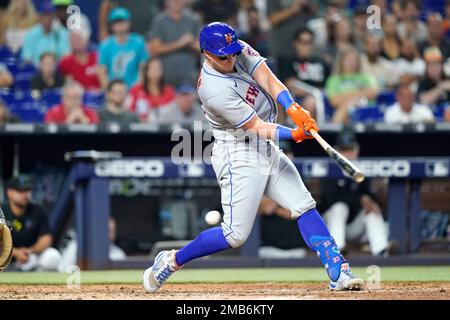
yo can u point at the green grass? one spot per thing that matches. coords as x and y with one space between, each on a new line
440 274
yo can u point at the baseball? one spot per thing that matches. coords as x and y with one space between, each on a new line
213 217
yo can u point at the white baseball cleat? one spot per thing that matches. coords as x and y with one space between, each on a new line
155 276
346 280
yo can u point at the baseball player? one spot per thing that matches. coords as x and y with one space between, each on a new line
239 96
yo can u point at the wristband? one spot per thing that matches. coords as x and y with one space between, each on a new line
285 99
283 133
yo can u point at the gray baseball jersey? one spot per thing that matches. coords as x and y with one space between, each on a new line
229 101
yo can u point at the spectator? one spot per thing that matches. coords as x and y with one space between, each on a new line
173 38
30 228
81 65
396 8
115 110
410 66
256 37
359 27
143 12
351 210
153 92
304 65
243 15
306 68
45 36
184 111
434 88
6 79
122 54
436 35
71 110
216 10
323 26
69 253
62 17
406 110
285 18
348 87
390 43
341 39
19 17
6 116
410 24
47 76
373 63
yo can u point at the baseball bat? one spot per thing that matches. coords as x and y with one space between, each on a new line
349 168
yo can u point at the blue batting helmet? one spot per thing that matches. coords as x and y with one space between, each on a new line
219 39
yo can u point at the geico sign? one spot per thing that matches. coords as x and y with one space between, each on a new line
129 168
385 168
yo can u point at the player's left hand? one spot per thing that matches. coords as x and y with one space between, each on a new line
300 134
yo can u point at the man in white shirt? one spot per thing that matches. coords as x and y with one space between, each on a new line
406 110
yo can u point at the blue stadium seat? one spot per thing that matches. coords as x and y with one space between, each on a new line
438 110
7 96
51 97
367 114
329 110
7 55
93 99
28 109
385 98
22 73
429 6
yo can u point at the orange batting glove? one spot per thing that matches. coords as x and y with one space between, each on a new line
300 134
301 117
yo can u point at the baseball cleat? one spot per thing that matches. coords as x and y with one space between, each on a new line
155 276
346 280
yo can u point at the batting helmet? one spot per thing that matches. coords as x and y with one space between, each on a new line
219 39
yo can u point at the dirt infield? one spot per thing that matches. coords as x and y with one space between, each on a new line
272 291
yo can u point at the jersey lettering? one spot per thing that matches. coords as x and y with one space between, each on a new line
252 94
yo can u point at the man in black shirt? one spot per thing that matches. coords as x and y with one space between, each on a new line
351 208
30 228
304 67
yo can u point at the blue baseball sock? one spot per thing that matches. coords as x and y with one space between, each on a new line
208 242
318 238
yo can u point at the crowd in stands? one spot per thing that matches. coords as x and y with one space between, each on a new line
142 61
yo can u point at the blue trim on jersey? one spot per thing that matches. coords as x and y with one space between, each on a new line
256 65
245 120
271 101
231 194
